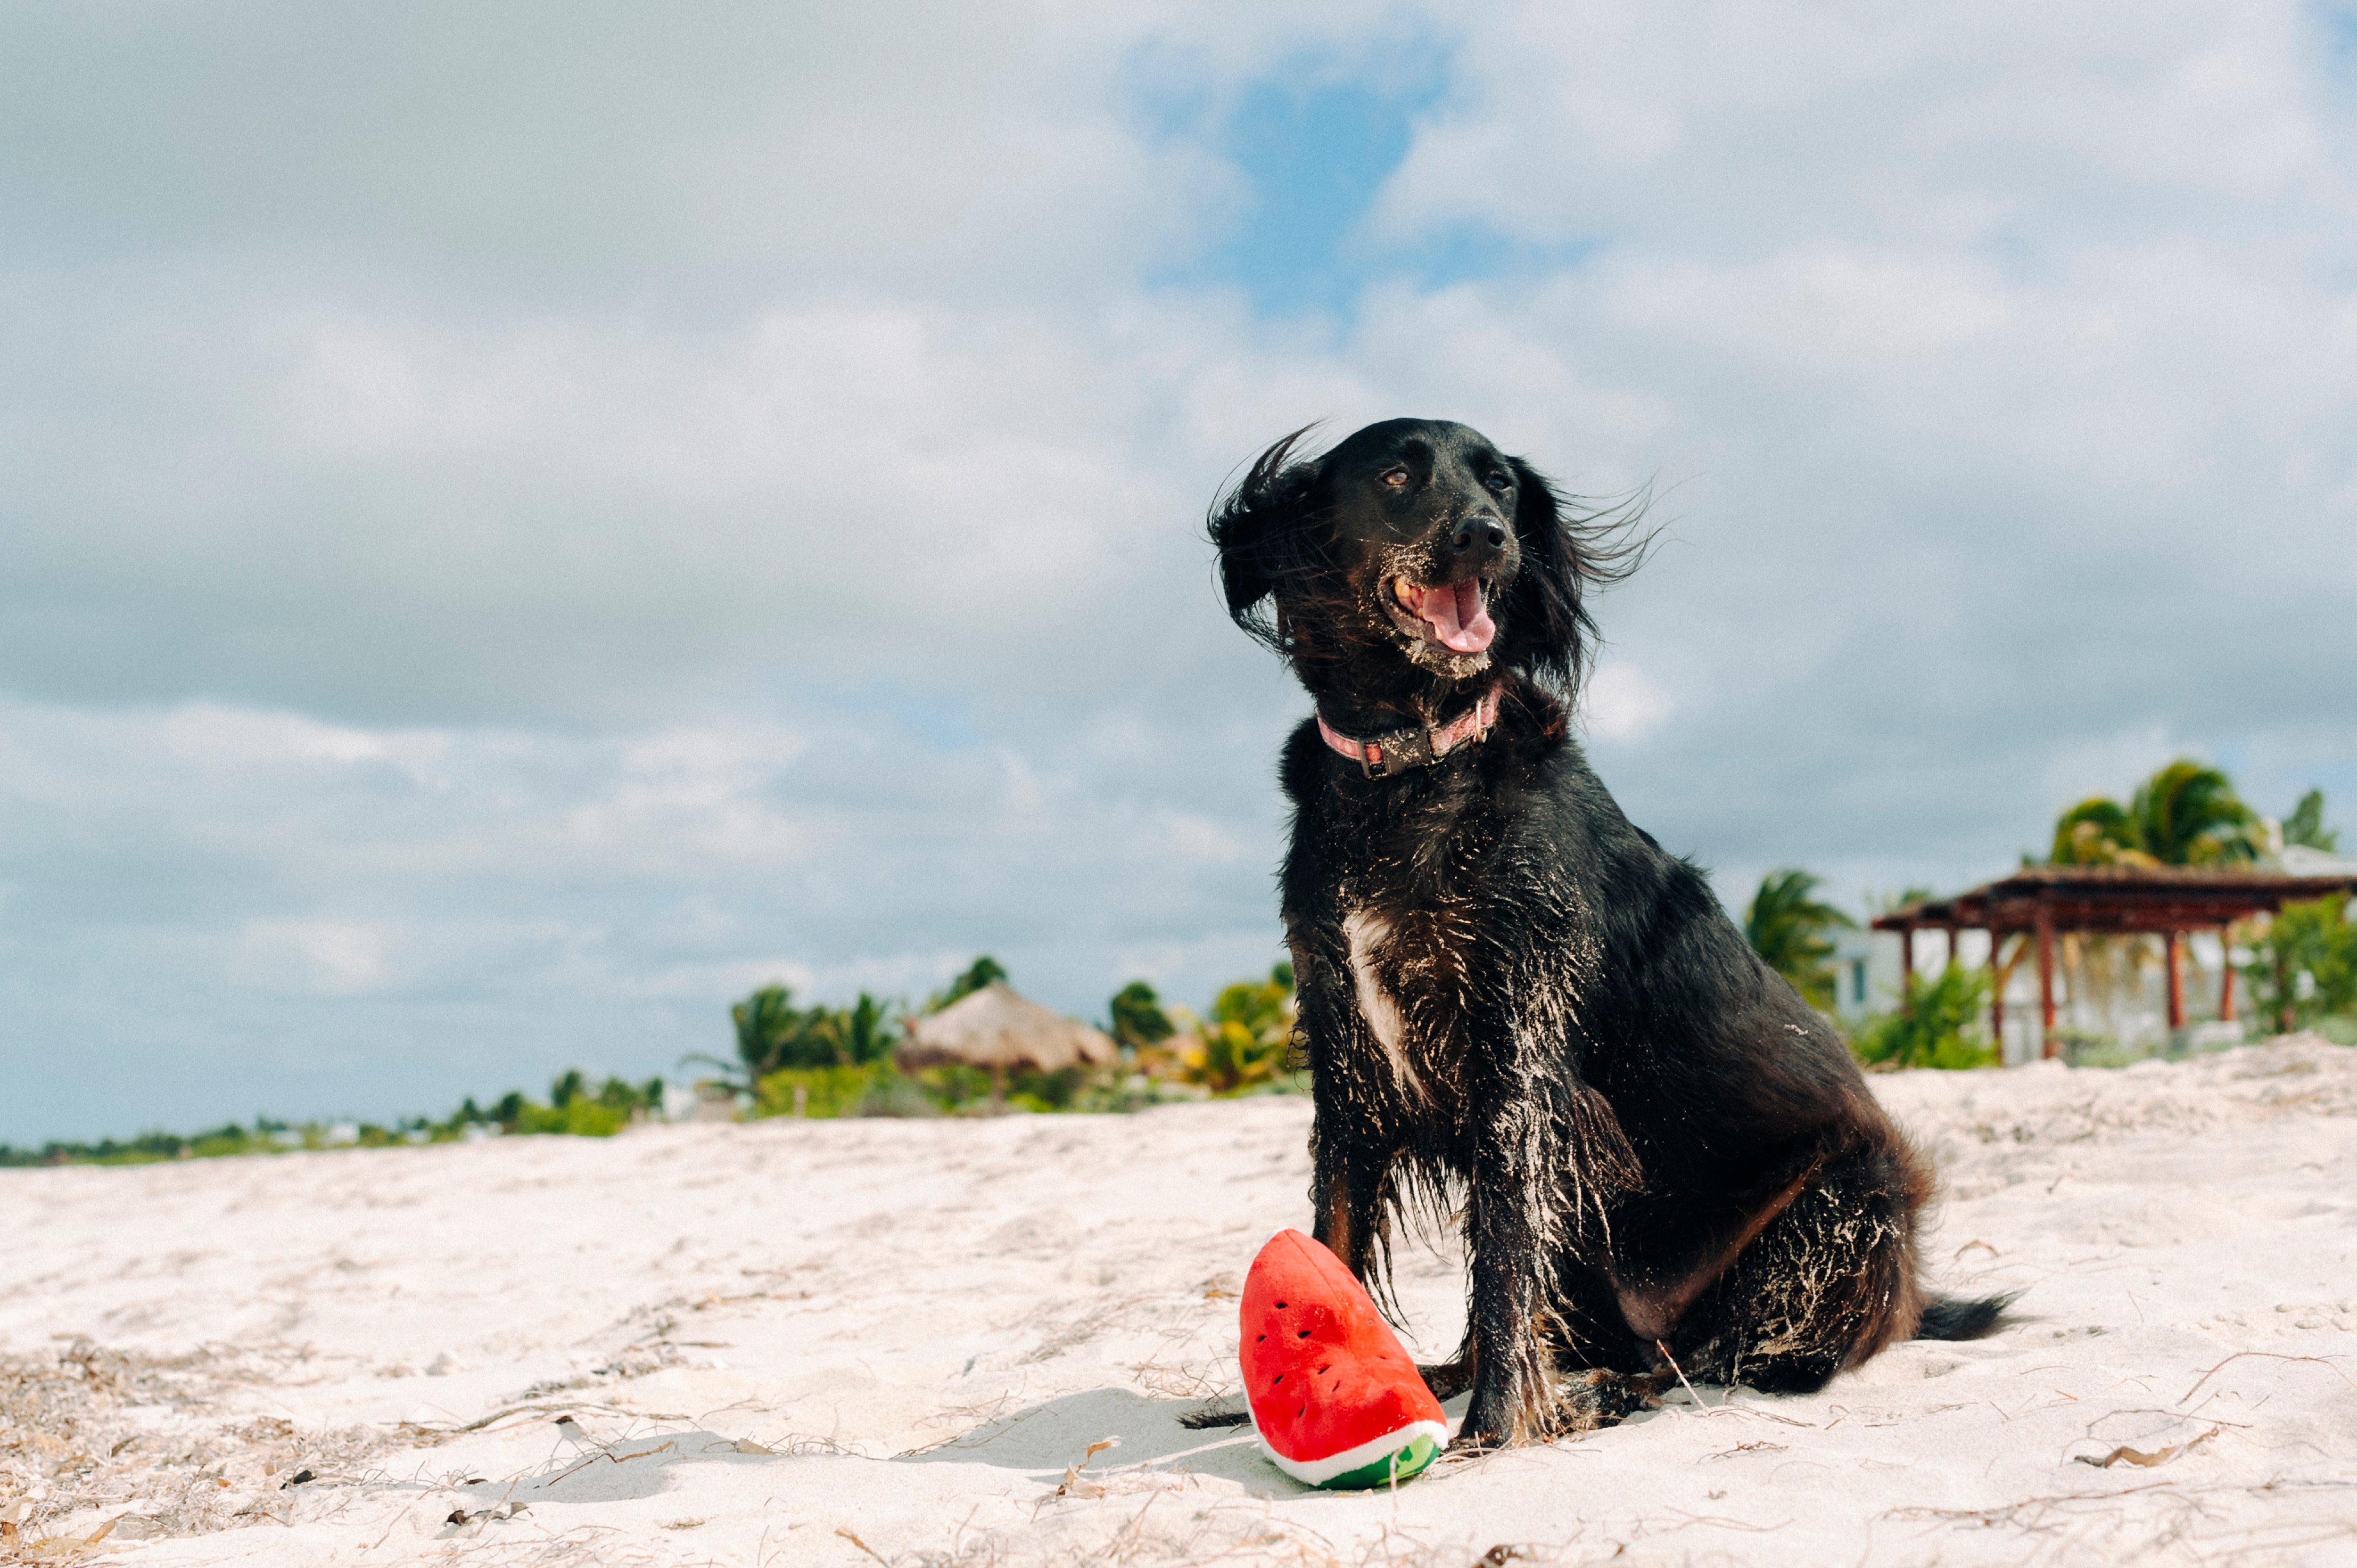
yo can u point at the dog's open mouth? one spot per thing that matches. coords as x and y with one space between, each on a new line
1455 614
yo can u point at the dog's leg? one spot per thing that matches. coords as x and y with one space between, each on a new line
1506 1238
1346 1195
1828 1280
1673 1247
1340 1226
1352 1140
1549 1163
1516 1224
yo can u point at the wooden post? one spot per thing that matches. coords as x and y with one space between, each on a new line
2226 976
1997 994
2047 1045
1907 969
2174 950
1951 946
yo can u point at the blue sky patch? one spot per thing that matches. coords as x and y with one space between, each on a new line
1315 148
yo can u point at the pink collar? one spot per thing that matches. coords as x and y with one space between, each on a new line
1396 751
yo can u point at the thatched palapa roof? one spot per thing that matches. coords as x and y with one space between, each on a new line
1000 1032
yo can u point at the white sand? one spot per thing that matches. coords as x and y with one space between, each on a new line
925 1323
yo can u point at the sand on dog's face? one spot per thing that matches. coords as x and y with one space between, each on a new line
775 1338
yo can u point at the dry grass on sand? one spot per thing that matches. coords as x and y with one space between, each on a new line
854 1342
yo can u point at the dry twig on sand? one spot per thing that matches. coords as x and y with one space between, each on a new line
2123 1454
2268 1355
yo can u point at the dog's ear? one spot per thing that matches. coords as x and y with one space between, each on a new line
1568 553
1257 528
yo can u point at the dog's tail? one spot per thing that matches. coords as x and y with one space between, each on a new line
1212 1415
1956 1318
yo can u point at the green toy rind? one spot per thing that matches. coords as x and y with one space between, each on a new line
1389 1471
1413 1448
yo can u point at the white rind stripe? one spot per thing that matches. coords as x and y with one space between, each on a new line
1318 1472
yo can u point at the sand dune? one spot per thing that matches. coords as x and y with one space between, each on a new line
836 1342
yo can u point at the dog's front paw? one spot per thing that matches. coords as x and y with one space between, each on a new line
1489 1423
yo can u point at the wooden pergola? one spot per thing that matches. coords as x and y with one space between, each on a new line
2039 901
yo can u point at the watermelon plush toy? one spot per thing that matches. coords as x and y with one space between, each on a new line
1337 1401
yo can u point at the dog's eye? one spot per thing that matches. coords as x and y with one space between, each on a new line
1500 483
1394 477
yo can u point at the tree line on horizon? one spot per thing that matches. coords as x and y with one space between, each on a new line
839 1057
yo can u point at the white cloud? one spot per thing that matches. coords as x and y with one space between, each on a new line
1620 704
319 958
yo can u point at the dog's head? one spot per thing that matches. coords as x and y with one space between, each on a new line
1414 555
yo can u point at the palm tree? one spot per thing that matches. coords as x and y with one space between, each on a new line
2097 831
1786 925
1137 1016
2306 824
868 1030
2187 814
772 1034
983 971
768 1024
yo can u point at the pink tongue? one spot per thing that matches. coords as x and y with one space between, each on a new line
1459 620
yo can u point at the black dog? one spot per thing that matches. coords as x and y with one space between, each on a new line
1512 996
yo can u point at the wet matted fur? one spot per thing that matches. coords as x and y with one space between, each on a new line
1515 1000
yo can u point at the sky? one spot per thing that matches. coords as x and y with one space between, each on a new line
521 524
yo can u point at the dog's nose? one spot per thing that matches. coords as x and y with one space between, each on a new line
1480 537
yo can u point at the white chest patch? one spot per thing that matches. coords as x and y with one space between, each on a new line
1367 934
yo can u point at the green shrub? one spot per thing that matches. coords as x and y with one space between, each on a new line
574 1109
1248 1039
1940 1028
1110 1096
2089 1047
954 1088
1045 1091
580 1116
2303 968
882 1090
891 1092
825 1090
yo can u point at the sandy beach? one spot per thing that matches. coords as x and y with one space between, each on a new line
840 1342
